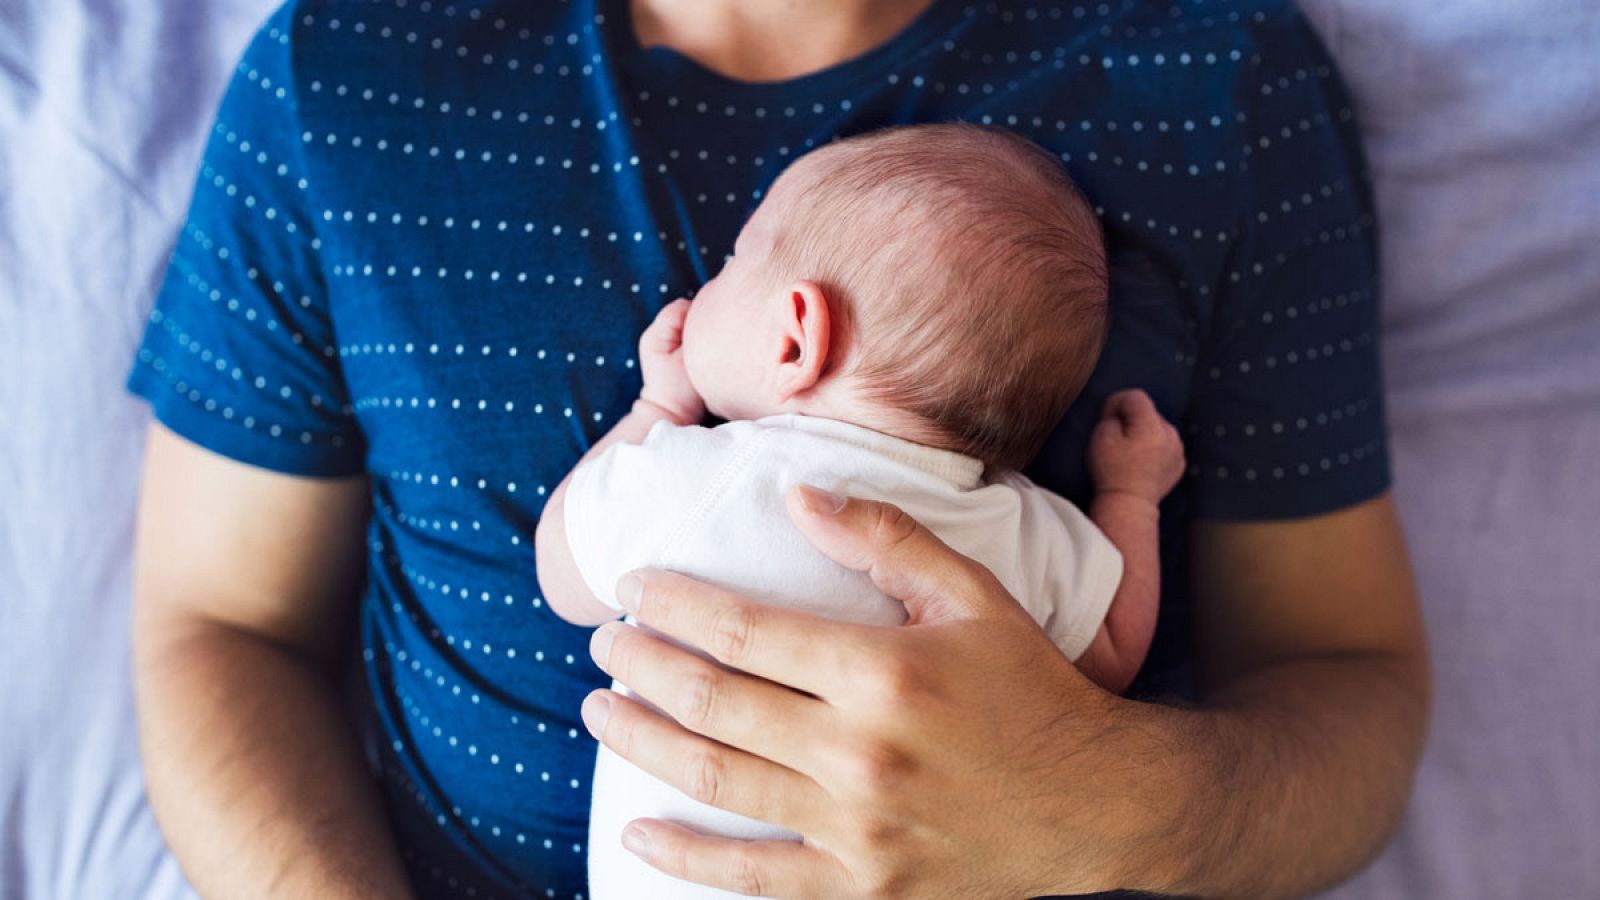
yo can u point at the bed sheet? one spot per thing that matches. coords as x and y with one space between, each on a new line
1481 120
1482 126
103 107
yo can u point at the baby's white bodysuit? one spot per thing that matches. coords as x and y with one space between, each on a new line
709 503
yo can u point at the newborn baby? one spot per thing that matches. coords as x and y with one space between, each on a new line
906 317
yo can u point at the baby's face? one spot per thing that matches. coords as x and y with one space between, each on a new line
731 328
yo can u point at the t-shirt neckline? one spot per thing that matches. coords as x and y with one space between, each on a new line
665 66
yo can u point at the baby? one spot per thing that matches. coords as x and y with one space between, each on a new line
906 317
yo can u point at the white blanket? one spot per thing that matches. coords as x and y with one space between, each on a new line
1483 124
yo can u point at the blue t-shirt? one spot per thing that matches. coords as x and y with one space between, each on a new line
425 239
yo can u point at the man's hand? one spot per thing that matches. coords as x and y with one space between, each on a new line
666 384
962 756
913 759
245 586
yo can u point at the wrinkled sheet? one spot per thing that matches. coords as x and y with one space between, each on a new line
103 108
1482 121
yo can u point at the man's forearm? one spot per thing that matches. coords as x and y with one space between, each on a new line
254 773
1291 778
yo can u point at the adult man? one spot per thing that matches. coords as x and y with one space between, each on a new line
422 244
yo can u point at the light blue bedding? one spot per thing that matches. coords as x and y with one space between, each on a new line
103 104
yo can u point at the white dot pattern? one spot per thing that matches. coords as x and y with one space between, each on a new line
424 252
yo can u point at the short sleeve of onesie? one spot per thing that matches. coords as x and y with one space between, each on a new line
1287 412
626 506
239 355
1087 569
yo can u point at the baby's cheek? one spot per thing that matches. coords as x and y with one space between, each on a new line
695 362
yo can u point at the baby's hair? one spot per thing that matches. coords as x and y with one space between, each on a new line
967 276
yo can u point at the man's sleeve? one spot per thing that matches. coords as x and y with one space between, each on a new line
240 354
1287 412
627 508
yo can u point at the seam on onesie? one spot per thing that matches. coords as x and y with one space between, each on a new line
709 497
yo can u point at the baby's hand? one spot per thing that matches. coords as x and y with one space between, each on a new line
1134 450
666 383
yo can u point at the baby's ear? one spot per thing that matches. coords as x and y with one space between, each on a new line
807 323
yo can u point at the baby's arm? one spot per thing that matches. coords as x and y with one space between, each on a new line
666 396
1135 458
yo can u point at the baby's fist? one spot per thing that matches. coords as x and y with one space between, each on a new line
666 381
1134 450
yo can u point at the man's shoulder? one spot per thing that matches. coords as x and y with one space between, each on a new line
1110 27
1146 102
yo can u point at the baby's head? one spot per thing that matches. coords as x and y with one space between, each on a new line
943 283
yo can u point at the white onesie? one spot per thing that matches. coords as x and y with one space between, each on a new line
709 503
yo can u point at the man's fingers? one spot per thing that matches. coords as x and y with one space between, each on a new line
702 769
740 710
905 560
790 870
791 647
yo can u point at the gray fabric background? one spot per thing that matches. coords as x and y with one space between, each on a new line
1482 121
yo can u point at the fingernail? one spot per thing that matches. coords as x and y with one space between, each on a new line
629 590
637 842
600 644
817 500
596 710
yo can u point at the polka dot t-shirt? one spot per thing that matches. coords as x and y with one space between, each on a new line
426 236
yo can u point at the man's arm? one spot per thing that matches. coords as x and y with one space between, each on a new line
245 582
1315 672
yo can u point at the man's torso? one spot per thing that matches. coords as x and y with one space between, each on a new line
503 195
